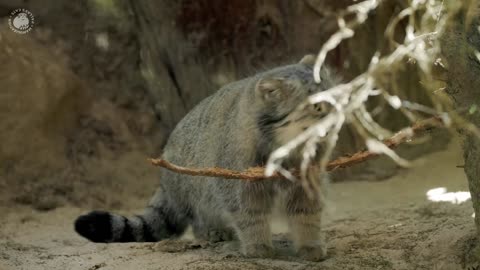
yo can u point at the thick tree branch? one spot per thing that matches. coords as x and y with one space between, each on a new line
257 173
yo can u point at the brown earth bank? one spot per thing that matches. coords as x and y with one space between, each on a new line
370 225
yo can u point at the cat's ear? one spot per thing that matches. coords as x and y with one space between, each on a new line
271 90
308 60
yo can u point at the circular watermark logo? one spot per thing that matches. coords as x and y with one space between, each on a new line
21 21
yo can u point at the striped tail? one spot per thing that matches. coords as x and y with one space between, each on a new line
104 227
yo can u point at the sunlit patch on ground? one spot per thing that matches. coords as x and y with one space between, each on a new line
441 195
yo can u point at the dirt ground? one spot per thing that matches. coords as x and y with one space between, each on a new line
369 225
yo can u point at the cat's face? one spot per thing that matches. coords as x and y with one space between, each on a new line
284 92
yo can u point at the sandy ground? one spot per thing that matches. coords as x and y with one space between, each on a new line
370 225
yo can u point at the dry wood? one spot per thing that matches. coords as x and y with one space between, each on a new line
257 173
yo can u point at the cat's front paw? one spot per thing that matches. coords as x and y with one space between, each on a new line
314 253
258 251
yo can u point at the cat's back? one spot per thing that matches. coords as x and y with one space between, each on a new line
197 139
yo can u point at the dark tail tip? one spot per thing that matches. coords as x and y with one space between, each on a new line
96 226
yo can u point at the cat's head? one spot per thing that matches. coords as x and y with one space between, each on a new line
285 111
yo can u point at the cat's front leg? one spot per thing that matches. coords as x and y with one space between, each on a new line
252 220
304 217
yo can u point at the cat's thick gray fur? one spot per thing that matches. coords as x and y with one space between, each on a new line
235 128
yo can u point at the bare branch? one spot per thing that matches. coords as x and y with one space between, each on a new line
258 173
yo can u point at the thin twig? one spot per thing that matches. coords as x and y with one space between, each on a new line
258 173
